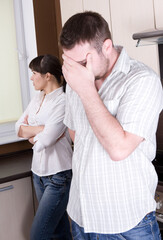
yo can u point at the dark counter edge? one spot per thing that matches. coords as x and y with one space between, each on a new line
15 177
10 148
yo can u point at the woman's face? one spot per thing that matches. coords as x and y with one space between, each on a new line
39 80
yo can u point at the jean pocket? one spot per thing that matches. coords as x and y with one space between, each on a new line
149 218
77 231
61 179
67 175
148 228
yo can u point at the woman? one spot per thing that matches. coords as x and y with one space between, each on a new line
42 124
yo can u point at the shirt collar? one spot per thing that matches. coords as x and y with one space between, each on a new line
53 94
123 62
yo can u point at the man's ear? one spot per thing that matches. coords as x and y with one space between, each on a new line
107 47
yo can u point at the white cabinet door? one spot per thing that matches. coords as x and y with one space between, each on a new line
130 17
16 209
158 6
69 8
102 7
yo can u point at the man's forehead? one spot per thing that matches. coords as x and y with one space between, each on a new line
79 52
77 58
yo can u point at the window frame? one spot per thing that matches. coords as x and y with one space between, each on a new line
7 130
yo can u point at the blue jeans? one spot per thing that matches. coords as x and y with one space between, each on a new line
147 229
51 219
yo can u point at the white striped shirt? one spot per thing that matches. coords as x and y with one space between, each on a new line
49 155
108 196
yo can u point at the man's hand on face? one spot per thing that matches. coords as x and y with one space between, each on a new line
79 76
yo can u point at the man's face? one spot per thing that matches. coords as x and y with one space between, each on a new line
79 54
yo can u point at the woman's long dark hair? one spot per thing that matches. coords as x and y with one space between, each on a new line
48 64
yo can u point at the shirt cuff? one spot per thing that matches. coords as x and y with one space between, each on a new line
38 146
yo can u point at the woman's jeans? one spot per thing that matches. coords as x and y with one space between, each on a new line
147 229
51 219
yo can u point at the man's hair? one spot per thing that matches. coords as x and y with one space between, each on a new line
85 27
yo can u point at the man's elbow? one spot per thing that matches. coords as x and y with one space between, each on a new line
116 157
123 150
118 154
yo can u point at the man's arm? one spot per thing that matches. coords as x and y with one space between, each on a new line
118 143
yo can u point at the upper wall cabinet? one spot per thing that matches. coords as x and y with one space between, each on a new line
158 6
130 17
102 7
69 8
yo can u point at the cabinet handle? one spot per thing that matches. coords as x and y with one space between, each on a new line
6 188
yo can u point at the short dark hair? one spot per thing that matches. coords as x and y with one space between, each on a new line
48 64
83 27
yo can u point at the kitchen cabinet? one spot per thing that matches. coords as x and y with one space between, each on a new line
129 17
16 209
69 8
158 7
17 206
102 7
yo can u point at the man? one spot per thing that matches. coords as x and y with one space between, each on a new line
113 106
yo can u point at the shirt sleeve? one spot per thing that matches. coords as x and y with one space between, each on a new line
20 121
141 105
68 119
53 128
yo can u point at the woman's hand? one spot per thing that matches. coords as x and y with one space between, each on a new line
26 120
31 140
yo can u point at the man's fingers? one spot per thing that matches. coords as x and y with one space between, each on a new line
89 62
